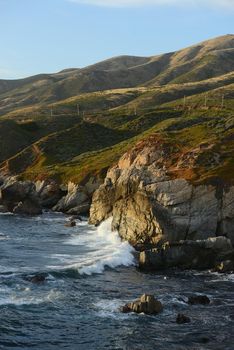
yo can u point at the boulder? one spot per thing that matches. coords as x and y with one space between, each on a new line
198 299
181 319
147 304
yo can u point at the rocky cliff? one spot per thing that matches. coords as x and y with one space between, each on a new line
153 199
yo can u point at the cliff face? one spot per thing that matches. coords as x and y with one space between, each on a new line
152 199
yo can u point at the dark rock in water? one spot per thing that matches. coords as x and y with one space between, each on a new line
70 224
200 254
225 266
147 304
36 279
199 299
181 318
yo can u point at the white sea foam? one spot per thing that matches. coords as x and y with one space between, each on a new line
112 251
103 249
3 237
110 308
26 297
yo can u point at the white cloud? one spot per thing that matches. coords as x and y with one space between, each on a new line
130 3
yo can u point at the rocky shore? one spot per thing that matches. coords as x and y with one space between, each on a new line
29 198
172 221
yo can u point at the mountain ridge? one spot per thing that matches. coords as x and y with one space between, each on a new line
117 102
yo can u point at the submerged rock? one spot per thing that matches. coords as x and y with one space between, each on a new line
70 224
147 304
181 318
37 279
198 299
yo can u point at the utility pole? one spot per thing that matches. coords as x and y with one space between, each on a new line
135 110
222 104
78 109
206 98
51 112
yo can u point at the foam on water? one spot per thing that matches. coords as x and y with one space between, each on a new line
26 296
104 249
3 237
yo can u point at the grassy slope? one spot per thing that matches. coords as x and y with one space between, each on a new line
193 64
67 146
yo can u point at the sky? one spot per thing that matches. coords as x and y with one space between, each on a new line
46 36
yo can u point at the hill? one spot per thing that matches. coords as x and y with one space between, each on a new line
76 123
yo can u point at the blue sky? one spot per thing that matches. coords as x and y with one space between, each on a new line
50 35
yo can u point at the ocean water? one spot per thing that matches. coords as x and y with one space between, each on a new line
89 274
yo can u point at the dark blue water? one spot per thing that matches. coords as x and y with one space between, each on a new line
78 305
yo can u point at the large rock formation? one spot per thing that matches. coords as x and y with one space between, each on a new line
201 254
152 200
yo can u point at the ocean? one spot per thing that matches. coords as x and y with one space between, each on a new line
89 274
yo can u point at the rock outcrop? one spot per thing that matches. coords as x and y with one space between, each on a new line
20 197
78 198
49 192
147 304
152 200
202 254
76 201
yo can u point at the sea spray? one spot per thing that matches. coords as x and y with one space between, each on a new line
115 252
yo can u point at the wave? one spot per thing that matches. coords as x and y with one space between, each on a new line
103 249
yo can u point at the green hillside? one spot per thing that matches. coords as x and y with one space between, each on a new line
76 123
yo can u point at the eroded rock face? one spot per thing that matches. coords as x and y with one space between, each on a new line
49 192
77 201
201 254
150 207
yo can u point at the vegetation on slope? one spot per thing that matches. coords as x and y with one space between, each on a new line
51 134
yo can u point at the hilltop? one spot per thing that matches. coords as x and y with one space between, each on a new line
74 124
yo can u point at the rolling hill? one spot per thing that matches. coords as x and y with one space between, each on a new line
76 123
